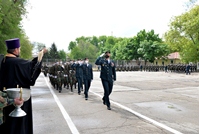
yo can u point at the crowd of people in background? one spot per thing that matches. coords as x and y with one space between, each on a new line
179 68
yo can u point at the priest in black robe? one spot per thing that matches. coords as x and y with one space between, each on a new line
16 72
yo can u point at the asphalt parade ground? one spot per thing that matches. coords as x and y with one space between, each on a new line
141 102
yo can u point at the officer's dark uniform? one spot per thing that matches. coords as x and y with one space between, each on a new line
87 77
107 75
79 76
187 69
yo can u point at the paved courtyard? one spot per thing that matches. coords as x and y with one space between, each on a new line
142 102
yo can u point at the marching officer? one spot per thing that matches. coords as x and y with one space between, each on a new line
79 74
107 75
87 76
187 69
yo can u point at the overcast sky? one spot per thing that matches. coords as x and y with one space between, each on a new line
62 21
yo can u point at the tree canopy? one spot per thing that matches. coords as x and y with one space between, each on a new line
145 45
183 35
11 14
83 50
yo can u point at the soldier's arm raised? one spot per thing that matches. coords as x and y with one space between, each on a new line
98 61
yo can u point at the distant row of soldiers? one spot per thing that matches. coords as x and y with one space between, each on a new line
155 68
61 76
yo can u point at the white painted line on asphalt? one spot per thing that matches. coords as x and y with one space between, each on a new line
63 111
142 116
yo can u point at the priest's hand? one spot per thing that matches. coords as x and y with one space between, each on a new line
45 50
18 101
41 54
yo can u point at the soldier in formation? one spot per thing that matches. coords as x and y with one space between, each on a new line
71 78
78 66
56 76
62 76
179 68
87 76
45 70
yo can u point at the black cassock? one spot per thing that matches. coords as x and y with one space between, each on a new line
16 71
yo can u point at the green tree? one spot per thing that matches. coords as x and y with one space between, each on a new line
94 41
62 55
127 48
101 44
110 42
150 46
26 48
83 50
76 53
119 50
152 50
82 38
72 44
11 14
131 49
53 52
183 35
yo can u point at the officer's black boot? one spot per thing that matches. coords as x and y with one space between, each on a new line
57 87
60 89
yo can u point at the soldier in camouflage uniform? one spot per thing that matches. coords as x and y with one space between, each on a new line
62 74
51 75
58 71
4 101
45 70
67 68
72 79
55 74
